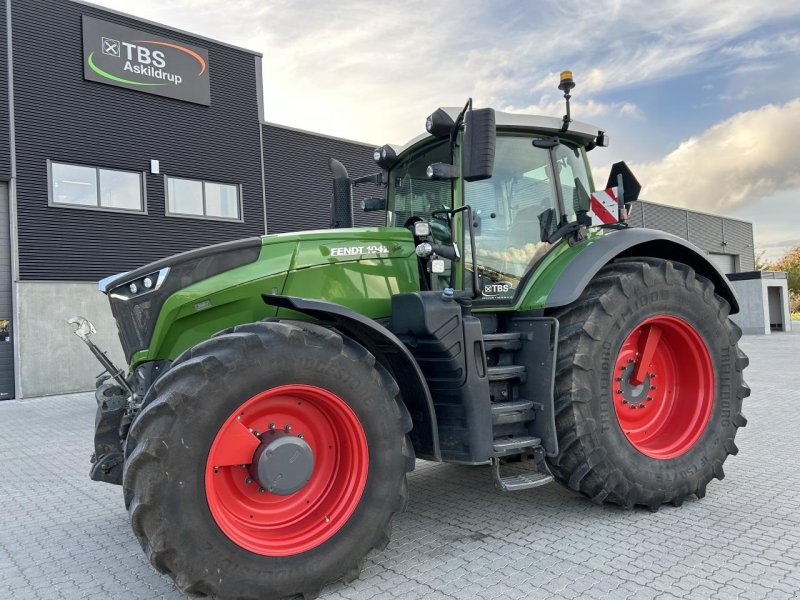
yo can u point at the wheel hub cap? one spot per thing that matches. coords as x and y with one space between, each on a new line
283 464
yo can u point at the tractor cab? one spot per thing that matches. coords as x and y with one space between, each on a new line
538 185
494 193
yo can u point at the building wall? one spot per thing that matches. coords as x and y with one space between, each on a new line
712 233
53 359
754 302
5 138
60 116
298 182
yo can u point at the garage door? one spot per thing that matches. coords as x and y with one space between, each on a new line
6 326
725 262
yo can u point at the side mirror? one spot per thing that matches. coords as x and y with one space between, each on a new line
480 138
373 204
342 204
628 186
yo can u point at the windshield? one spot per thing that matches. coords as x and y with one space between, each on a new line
412 195
517 210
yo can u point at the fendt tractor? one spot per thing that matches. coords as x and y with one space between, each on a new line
280 388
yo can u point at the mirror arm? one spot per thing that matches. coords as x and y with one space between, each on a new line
376 178
476 290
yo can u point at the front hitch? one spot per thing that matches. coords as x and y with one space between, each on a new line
83 330
112 406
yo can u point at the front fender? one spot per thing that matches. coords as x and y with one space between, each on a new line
390 352
639 241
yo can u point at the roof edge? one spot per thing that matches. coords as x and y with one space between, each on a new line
167 27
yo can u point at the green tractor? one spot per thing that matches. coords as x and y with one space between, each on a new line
280 388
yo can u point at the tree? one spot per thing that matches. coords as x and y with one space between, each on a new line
791 264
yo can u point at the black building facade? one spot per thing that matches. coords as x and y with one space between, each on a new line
123 141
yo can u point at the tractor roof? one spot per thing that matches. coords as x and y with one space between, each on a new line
578 131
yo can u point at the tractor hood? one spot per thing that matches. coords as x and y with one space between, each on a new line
235 272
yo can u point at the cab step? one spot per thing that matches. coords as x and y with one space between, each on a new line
512 445
509 342
507 372
516 411
519 481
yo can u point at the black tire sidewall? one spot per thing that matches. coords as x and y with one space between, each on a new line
228 385
661 298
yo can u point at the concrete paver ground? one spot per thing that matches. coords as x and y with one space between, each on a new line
64 536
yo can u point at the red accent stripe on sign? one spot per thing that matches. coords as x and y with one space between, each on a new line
601 212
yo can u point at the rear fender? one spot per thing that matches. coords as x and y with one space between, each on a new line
631 243
390 352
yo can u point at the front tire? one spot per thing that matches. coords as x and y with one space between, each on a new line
649 385
219 525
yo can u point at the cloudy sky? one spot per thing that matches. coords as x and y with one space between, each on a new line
702 99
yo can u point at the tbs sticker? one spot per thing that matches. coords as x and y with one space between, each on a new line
497 288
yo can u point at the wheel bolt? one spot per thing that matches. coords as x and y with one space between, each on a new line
631 407
216 470
630 360
287 428
649 398
261 490
652 387
619 378
641 406
272 426
619 391
300 435
624 401
248 480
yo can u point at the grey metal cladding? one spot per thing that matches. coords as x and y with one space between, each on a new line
706 232
299 186
5 137
666 218
635 215
739 240
62 117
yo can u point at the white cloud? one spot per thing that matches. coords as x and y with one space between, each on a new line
743 159
371 71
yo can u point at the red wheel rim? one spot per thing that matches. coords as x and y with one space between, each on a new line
283 525
663 387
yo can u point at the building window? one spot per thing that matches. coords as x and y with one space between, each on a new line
203 199
94 187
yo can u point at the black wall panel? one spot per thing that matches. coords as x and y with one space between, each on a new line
61 117
5 138
299 186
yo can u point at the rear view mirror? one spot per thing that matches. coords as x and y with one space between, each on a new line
480 137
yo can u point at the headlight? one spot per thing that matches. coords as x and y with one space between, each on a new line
139 287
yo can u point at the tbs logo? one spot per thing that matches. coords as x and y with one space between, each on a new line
497 288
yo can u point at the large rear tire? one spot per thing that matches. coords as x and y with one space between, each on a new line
219 520
649 385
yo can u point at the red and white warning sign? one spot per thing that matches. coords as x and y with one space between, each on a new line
604 208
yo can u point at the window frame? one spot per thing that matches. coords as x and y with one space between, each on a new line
99 207
204 216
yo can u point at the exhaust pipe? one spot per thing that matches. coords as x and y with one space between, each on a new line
342 204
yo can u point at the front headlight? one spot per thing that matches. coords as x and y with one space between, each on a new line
140 286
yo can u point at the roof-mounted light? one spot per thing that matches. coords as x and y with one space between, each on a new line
385 156
439 124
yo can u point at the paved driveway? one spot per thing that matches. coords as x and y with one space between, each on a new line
64 536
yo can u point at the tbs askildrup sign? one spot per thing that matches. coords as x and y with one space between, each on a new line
141 61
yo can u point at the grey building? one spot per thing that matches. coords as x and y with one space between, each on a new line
121 142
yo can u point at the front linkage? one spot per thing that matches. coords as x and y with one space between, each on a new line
116 406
